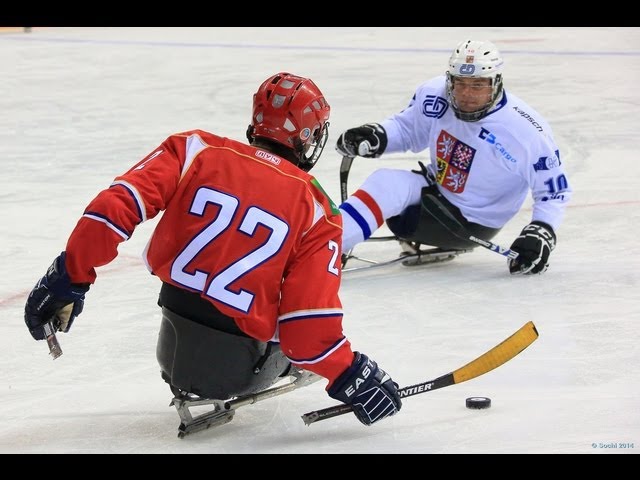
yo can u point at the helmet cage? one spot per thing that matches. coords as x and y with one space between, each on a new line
316 146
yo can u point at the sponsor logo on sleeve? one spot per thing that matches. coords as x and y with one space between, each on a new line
547 163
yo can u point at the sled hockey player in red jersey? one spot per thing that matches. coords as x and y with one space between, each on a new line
248 253
488 150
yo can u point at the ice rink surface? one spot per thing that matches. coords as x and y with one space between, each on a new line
82 105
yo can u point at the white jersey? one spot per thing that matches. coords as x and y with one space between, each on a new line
485 168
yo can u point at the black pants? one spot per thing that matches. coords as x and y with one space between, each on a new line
416 224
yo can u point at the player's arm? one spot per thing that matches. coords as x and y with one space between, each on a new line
310 320
113 215
408 130
310 330
139 194
551 192
550 188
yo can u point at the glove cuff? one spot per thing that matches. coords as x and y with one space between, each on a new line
545 231
59 283
381 134
351 381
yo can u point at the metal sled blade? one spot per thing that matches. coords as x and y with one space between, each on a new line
433 255
223 411
421 257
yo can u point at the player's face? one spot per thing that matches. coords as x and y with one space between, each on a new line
471 94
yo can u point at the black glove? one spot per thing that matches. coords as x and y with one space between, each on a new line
369 140
426 172
368 389
534 245
54 299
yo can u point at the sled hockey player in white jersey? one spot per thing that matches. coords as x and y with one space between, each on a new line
488 150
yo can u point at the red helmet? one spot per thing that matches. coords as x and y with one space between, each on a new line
292 111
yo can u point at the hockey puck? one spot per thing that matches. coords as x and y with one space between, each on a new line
478 403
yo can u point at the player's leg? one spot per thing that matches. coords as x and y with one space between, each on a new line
418 226
385 193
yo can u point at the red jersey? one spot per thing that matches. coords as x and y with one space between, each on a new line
246 229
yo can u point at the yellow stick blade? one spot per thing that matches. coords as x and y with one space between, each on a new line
499 354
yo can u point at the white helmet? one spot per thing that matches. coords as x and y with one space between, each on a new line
479 59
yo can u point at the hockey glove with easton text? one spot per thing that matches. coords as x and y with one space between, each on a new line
534 245
368 389
54 299
368 140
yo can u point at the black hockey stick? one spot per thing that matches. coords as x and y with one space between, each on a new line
438 211
498 355
345 167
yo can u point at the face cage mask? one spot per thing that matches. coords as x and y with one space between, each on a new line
306 163
496 86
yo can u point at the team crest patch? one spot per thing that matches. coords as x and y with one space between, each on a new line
454 159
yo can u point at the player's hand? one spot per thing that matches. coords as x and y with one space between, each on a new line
534 245
54 299
368 140
368 389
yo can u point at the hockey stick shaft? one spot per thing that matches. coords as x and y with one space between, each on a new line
498 355
345 167
432 205
52 341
